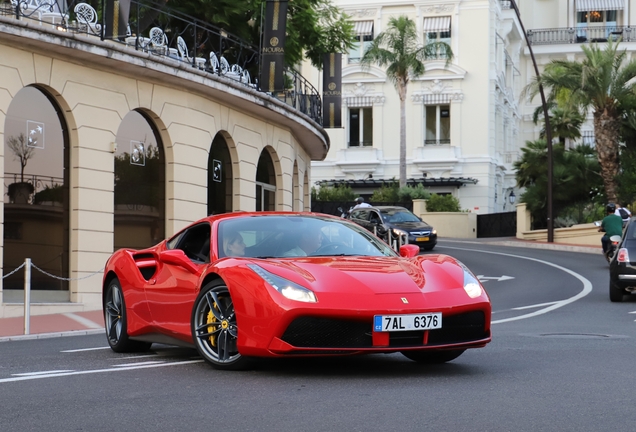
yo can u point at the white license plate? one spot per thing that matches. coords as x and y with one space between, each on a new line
391 323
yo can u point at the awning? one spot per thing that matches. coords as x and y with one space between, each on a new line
376 183
437 24
363 28
599 5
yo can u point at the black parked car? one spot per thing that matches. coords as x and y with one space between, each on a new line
622 268
397 221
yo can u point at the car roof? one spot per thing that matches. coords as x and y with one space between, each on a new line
390 208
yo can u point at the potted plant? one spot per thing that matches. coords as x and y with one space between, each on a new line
20 192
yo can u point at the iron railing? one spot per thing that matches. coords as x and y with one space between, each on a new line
162 31
437 141
581 35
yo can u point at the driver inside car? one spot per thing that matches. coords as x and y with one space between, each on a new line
308 243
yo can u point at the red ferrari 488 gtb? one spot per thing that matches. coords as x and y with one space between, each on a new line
239 286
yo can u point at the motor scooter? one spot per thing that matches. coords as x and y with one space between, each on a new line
613 245
344 213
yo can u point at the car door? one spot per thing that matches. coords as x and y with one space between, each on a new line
361 217
171 293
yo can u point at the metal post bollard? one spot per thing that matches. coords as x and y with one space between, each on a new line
27 295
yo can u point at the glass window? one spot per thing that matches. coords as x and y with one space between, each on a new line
437 123
139 198
361 44
360 127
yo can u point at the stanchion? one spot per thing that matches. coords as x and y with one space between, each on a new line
27 295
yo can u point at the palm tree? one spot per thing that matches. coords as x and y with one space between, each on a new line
599 82
565 121
398 49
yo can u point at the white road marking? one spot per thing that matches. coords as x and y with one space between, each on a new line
140 363
42 373
483 278
534 306
88 372
84 349
83 321
587 285
634 312
136 357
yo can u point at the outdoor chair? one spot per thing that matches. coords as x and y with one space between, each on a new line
86 17
199 62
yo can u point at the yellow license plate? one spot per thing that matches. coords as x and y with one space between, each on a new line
421 239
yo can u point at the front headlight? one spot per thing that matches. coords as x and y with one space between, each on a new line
287 288
399 232
434 232
471 284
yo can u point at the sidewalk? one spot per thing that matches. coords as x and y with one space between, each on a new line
81 323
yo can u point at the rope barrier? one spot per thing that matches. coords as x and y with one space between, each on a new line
9 274
65 279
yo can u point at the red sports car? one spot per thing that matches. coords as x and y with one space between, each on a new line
243 285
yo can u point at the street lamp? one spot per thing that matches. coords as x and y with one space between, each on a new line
548 129
512 197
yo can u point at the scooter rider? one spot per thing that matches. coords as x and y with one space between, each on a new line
611 225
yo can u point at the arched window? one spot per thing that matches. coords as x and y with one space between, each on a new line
139 184
36 188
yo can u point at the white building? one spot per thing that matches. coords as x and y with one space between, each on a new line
465 122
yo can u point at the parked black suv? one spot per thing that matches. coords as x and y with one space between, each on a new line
381 219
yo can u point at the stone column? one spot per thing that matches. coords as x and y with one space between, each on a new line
523 219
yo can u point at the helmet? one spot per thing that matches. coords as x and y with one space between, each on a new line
611 207
359 200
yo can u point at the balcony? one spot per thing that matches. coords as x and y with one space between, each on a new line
587 34
171 35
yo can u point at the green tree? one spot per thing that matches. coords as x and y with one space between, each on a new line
398 49
575 175
565 122
442 203
314 27
600 82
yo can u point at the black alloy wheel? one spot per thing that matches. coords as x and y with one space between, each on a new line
433 357
115 321
214 328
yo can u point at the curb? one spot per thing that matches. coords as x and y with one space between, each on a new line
51 335
553 246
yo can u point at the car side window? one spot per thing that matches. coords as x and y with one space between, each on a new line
374 218
195 243
361 215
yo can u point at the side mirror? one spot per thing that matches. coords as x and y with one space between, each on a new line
409 250
178 257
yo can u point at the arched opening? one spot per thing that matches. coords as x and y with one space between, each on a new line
265 183
140 186
36 188
219 177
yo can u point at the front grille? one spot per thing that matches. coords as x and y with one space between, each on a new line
311 332
458 328
420 233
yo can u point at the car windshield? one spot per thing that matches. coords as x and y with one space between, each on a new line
398 215
282 236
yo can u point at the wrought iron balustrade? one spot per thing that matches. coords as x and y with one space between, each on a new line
437 141
162 31
585 34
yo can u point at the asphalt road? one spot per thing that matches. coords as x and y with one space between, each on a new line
561 359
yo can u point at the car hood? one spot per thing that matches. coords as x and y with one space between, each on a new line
409 226
371 275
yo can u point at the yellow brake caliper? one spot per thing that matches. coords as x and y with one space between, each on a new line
212 319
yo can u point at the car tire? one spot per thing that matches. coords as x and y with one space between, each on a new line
115 321
433 357
214 328
615 294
